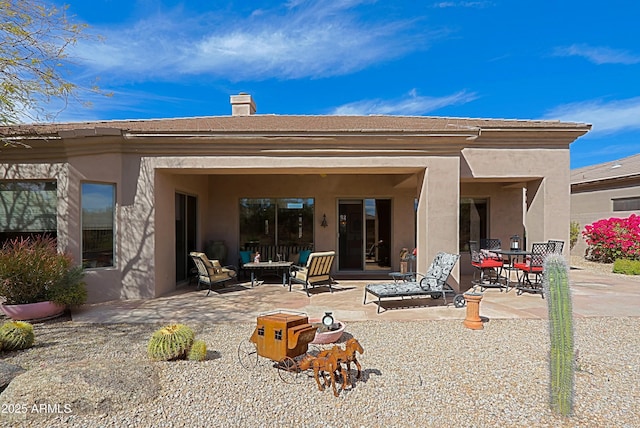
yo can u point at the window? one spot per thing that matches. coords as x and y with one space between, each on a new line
28 208
278 334
98 207
286 221
626 204
473 222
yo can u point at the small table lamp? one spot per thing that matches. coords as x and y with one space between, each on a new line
515 243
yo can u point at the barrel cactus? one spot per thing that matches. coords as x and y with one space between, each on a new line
16 335
172 342
198 351
561 361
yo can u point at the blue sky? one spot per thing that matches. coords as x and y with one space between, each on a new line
565 60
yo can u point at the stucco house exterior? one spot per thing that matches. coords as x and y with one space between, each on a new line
609 189
130 199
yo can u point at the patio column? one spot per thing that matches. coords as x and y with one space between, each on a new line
548 211
438 211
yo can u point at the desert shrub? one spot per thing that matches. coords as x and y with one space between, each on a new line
613 238
574 233
32 270
626 266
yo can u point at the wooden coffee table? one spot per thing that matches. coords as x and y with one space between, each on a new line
258 270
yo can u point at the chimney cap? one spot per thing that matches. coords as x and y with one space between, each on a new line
242 105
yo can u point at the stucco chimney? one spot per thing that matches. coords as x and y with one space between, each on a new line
242 105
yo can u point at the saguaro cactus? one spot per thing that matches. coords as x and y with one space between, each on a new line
561 361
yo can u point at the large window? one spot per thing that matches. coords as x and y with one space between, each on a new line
626 204
27 208
98 207
473 222
270 221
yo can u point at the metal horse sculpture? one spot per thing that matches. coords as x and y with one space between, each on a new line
346 356
349 355
329 364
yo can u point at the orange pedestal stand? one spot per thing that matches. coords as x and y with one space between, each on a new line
473 320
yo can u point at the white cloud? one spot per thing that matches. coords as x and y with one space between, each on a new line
301 39
412 104
598 54
470 4
606 117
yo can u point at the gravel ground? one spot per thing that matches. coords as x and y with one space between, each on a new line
601 268
428 373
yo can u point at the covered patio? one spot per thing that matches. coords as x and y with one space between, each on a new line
594 295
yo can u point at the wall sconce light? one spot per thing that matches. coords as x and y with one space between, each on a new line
324 221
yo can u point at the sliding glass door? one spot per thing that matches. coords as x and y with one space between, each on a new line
364 241
186 216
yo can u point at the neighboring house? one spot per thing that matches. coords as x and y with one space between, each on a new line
610 189
130 199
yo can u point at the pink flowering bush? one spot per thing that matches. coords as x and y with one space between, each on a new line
613 238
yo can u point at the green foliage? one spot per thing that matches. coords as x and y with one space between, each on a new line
16 335
613 238
32 270
74 293
574 233
562 361
35 37
626 266
172 342
198 351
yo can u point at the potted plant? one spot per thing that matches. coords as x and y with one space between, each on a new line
37 281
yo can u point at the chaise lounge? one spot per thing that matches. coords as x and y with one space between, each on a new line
433 283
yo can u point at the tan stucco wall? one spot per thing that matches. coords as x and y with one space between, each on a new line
590 206
146 187
544 173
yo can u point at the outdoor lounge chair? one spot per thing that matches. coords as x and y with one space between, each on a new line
433 283
210 272
315 273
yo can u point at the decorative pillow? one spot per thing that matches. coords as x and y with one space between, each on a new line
217 267
245 256
304 257
489 254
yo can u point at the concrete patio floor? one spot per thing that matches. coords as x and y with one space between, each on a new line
594 295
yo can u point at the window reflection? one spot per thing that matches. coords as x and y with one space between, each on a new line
473 221
28 208
98 206
271 221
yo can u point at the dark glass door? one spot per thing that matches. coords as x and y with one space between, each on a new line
186 214
351 244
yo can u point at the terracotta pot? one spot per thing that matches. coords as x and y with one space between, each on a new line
33 311
327 336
